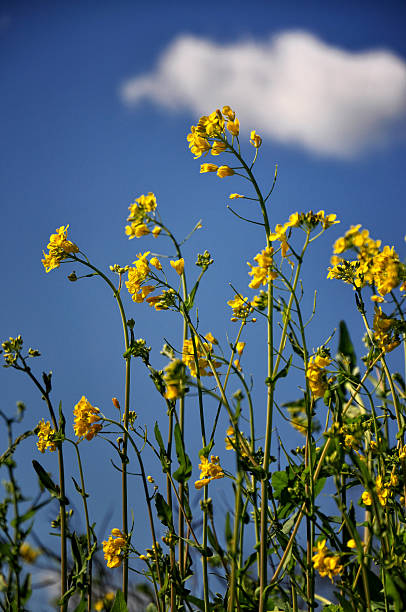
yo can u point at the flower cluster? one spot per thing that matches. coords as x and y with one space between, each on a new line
262 274
114 548
326 563
241 307
140 215
59 247
27 553
175 379
307 220
386 333
202 348
233 444
86 417
46 437
316 375
136 277
209 470
382 489
373 266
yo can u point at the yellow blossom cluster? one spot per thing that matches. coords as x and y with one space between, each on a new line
86 417
373 266
309 220
262 274
136 276
383 490
325 562
233 444
59 247
28 553
46 437
189 359
140 216
386 334
316 375
209 470
114 548
241 307
105 603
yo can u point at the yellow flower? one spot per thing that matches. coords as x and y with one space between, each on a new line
208 168
59 248
46 437
178 265
27 553
385 333
218 147
156 231
210 338
240 347
255 139
263 273
316 376
326 563
402 452
154 261
367 498
114 548
241 307
234 196
352 543
228 112
86 417
189 359
234 127
225 171
150 479
210 470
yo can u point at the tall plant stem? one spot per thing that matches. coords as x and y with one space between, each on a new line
124 460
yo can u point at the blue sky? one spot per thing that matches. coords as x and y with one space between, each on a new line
97 99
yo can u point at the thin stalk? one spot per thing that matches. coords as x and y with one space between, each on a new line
124 459
234 552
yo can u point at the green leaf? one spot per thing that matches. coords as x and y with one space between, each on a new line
45 478
345 346
82 606
164 511
271 380
319 486
184 471
162 452
279 482
119 604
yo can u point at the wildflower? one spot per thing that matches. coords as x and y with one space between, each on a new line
208 168
352 543
150 479
225 171
210 338
136 230
198 143
316 376
210 470
86 417
59 247
231 441
218 147
27 553
175 379
201 361
156 231
154 261
114 548
228 112
255 139
326 563
386 334
239 347
241 308
263 273
136 276
234 127
402 452
367 498
234 196
46 437
178 265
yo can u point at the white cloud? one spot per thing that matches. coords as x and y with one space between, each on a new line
293 88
